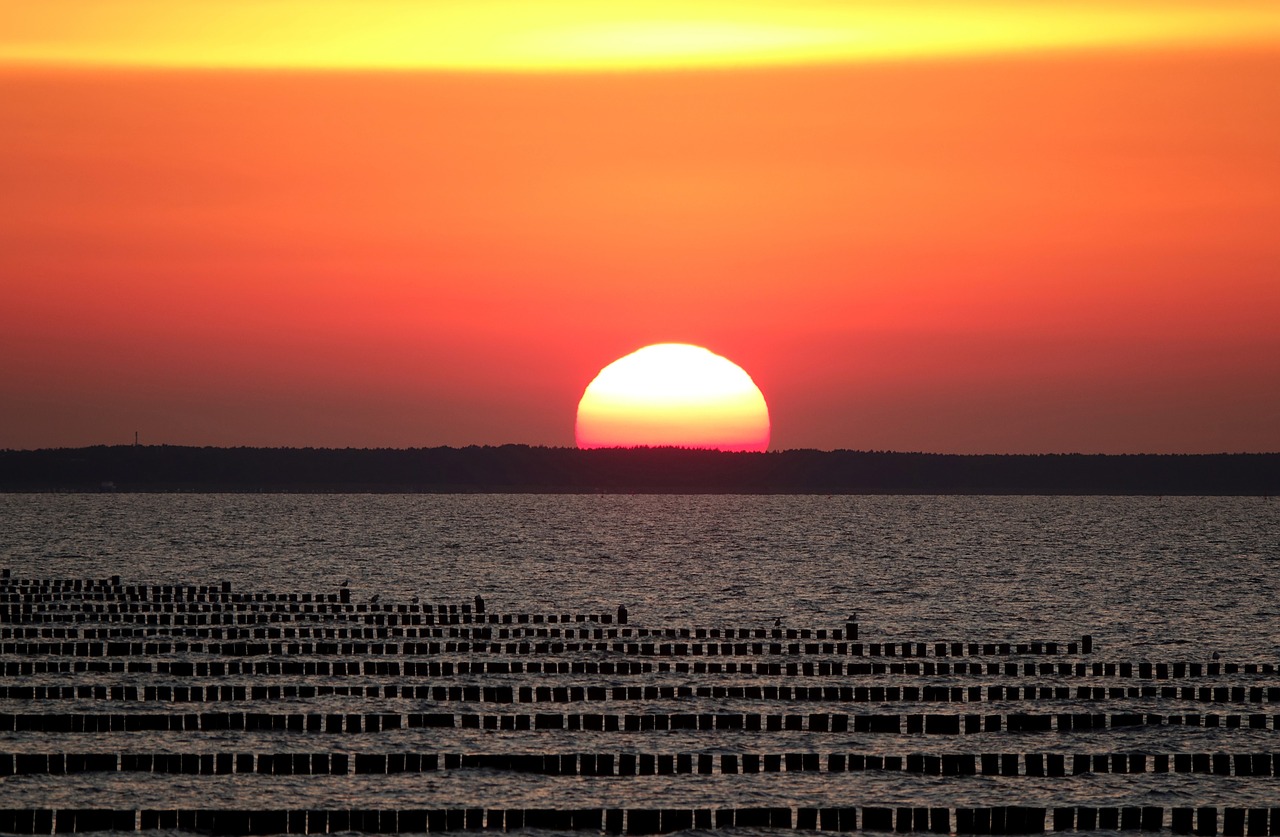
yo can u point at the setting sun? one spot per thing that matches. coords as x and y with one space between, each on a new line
673 394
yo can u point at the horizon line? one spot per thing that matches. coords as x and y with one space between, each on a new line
634 449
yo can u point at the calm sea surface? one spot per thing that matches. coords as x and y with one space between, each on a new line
1151 579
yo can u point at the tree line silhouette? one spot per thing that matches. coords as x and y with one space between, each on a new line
523 468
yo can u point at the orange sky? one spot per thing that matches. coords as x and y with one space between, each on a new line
1015 241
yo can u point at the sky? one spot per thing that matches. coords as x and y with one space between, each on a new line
949 226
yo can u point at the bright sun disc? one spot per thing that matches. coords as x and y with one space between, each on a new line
673 395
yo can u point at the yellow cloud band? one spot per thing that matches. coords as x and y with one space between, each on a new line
590 36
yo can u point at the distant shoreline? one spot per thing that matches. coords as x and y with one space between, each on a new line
525 469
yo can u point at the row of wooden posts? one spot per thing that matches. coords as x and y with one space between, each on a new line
1203 821
369 631
451 668
96 648
91 627
1253 765
89 722
596 694
408 647
51 601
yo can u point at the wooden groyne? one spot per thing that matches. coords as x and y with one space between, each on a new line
104 676
1010 819
1252 765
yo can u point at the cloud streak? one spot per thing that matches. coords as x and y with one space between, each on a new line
577 36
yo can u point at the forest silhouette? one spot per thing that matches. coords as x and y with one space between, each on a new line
522 468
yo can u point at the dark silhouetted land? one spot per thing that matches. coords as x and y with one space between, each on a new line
520 468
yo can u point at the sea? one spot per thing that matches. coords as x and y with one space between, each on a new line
1149 579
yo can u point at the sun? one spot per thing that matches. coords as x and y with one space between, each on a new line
673 394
